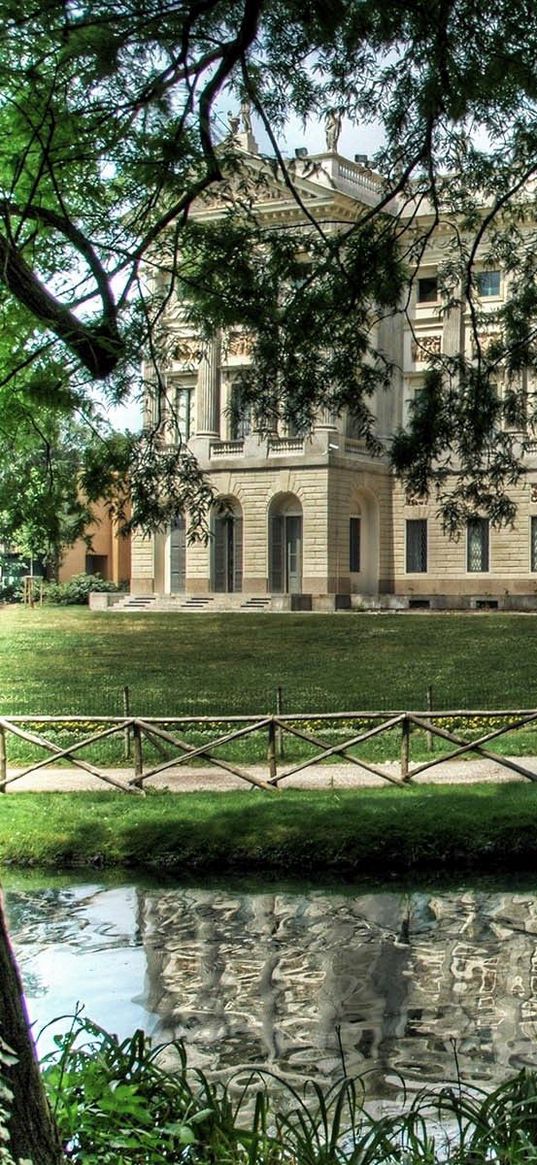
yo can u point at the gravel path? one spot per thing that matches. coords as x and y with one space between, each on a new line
334 776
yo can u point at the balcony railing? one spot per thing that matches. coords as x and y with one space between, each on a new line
285 445
227 448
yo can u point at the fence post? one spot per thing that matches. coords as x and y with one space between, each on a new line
3 759
126 713
405 748
279 710
271 751
430 737
138 754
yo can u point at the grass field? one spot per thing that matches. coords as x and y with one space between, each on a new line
61 661
69 660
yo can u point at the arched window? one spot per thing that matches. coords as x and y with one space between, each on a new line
285 545
226 565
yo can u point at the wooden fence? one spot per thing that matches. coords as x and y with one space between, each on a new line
166 736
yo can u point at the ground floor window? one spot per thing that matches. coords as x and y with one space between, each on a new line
416 545
533 542
177 554
97 564
477 546
354 544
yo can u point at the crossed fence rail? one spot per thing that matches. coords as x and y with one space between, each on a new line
167 733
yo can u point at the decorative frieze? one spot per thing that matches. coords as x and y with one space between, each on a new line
239 344
426 347
187 351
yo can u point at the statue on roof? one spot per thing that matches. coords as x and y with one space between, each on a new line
332 129
246 116
234 123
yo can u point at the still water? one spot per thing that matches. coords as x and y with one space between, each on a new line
401 983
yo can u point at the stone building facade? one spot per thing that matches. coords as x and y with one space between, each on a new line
316 522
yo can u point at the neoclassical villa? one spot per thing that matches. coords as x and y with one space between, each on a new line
316 522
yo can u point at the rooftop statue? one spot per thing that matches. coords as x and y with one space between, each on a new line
332 123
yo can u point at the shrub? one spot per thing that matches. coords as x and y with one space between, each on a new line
10 592
76 590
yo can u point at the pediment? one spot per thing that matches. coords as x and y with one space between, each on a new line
323 186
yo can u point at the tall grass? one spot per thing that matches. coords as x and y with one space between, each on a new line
116 1102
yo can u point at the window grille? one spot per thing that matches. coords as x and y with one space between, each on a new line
488 283
478 545
416 545
184 408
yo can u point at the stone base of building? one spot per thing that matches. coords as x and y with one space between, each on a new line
317 603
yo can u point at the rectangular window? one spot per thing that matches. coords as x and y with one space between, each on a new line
184 409
416 545
533 543
240 416
428 289
488 283
354 544
97 564
478 546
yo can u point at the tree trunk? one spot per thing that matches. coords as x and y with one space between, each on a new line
32 1131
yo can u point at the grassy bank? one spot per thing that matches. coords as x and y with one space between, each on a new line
384 832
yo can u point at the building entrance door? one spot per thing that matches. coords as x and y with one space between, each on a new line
227 554
293 553
285 576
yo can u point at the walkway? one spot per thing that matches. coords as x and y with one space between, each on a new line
336 776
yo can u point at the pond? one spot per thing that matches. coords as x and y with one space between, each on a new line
396 983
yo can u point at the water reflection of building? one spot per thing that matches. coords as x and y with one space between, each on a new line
405 984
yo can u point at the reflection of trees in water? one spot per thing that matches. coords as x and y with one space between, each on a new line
409 982
63 916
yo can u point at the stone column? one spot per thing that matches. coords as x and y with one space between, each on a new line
208 391
325 419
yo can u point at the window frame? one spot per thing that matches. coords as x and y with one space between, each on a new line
418 527
355 543
483 525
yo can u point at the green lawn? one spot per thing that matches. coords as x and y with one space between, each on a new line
61 661
68 660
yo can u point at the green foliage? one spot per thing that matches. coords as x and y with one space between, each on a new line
116 1105
76 591
7 1059
111 132
10 592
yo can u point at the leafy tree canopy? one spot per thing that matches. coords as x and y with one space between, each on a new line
110 133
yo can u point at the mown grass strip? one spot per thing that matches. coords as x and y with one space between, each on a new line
386 832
